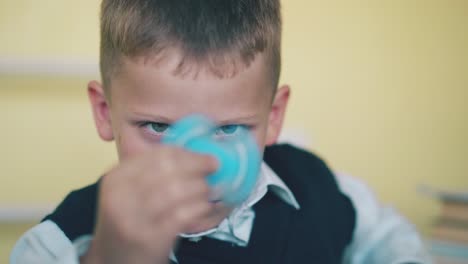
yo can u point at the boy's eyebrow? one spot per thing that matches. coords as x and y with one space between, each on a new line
237 120
160 118
153 117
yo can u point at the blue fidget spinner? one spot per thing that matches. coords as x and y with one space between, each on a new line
238 156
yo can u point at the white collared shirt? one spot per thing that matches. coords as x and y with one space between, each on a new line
381 235
236 228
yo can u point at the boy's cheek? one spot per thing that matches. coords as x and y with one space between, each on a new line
130 145
259 134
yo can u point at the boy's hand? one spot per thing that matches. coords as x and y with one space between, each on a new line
145 202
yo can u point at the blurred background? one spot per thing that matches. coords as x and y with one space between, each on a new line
379 90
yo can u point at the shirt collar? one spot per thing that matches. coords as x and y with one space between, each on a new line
237 226
267 180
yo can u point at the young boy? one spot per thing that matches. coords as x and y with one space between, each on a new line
160 61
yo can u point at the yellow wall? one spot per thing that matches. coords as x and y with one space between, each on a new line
378 86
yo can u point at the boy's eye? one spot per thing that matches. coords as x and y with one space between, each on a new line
157 128
227 130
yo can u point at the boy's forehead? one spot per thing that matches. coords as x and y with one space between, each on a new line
154 82
223 66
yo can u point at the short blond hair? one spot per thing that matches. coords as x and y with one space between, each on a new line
206 31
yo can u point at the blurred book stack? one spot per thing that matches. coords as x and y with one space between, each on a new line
448 242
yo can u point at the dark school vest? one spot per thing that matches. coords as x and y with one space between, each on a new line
317 233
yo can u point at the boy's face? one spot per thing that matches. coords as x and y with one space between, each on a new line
147 96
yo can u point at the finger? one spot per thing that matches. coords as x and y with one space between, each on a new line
185 215
197 162
172 158
176 192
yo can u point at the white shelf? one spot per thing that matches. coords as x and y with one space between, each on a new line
74 67
19 214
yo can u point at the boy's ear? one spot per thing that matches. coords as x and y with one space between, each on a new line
101 111
277 112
